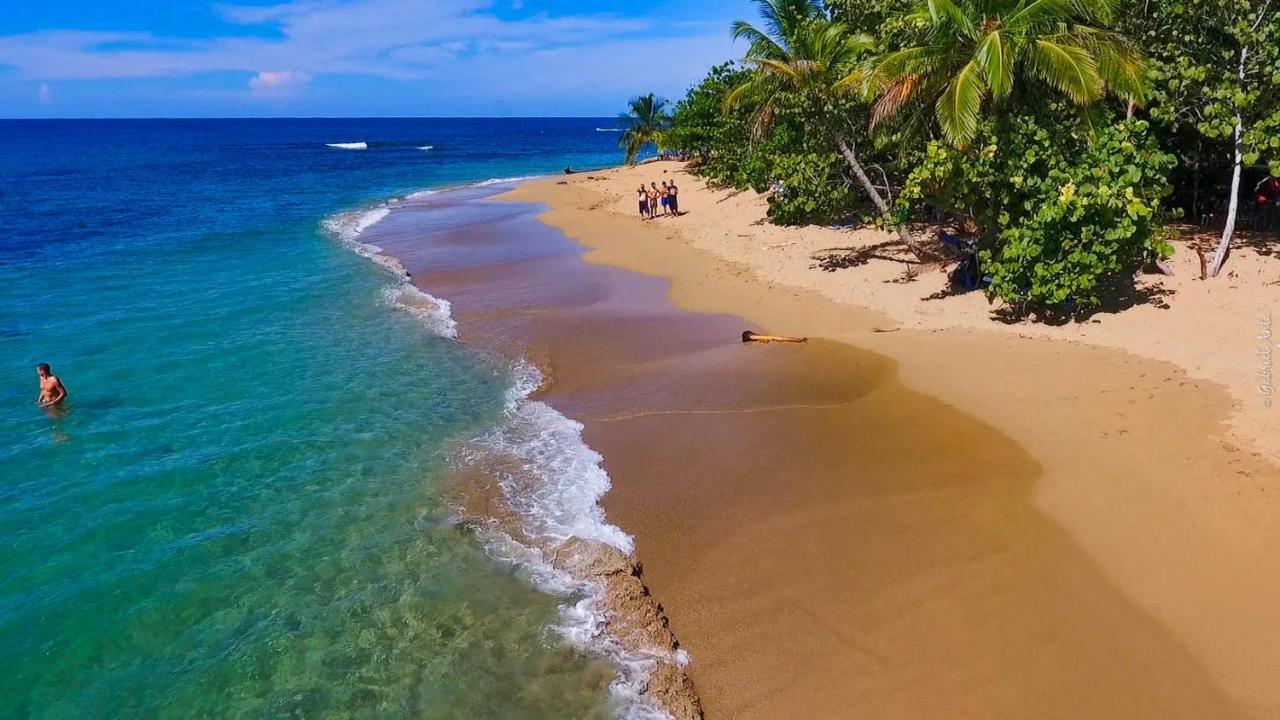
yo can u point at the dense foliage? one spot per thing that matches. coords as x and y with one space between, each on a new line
1064 131
717 140
1065 212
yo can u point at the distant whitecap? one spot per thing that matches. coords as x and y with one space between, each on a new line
349 145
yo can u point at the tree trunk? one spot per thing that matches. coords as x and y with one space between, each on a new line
912 243
1233 204
1195 192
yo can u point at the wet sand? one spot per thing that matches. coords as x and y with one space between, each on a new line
826 541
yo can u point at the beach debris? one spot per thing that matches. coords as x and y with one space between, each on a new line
879 329
749 336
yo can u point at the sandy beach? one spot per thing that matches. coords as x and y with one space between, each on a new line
924 512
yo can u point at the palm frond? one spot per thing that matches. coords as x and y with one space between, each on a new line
1067 68
960 103
945 10
759 44
892 100
921 60
790 72
1039 12
995 58
1120 64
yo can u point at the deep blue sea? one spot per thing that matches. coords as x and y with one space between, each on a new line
241 510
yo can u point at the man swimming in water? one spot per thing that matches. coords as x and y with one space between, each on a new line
52 391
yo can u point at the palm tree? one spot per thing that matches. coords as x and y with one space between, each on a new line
802 51
646 121
977 54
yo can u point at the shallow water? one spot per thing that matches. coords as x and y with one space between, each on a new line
244 508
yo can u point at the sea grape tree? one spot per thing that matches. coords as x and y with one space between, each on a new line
1216 70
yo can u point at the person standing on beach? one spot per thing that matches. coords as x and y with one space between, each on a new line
673 195
654 195
666 199
644 202
52 391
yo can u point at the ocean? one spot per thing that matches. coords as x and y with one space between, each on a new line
244 509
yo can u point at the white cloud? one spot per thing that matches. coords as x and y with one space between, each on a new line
451 49
45 94
389 38
278 83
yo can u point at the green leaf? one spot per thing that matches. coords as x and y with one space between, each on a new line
960 102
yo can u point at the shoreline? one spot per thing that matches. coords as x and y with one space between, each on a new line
1130 461
528 487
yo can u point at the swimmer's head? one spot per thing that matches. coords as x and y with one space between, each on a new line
43 369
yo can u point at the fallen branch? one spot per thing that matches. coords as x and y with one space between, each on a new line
748 336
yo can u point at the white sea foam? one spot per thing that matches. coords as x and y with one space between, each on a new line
426 147
556 490
559 490
349 225
583 620
349 145
608 129
503 181
434 312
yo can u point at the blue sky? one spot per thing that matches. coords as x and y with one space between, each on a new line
206 58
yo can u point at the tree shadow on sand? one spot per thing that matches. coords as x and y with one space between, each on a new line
1261 243
833 259
1114 300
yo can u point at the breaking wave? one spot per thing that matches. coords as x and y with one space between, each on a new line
435 313
554 481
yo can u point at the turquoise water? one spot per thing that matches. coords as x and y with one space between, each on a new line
242 511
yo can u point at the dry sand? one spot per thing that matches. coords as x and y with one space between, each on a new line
1020 521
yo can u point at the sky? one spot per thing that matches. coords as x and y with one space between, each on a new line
354 58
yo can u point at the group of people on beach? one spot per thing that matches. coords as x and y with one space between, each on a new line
655 200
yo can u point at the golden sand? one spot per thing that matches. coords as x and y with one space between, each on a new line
957 518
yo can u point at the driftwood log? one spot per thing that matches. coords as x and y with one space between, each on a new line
749 336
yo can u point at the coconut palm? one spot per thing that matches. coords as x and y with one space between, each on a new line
802 51
979 54
646 121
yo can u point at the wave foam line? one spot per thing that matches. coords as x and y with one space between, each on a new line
556 492
554 482
349 145
583 622
435 313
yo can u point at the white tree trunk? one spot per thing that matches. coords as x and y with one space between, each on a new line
1233 204
852 159
879 202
